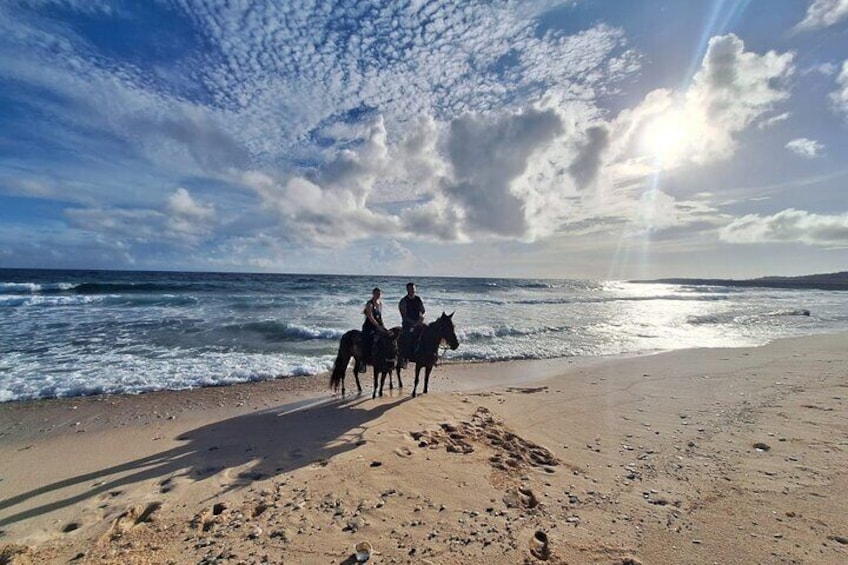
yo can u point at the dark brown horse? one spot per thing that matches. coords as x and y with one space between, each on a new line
385 353
425 352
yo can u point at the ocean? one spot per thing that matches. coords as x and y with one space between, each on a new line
72 333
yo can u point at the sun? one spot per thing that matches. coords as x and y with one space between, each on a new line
666 137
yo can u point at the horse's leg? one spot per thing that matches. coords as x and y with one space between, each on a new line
400 382
415 384
383 381
356 376
427 377
374 391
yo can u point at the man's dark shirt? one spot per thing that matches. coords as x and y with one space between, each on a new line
414 308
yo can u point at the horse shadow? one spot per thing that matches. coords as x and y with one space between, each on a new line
262 444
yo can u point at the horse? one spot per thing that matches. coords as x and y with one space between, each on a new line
351 346
426 353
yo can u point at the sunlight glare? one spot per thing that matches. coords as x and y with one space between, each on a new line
665 138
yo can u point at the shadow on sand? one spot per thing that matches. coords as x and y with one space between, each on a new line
272 441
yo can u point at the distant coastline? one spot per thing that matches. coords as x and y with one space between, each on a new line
824 281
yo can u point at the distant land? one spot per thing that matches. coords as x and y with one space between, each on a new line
825 281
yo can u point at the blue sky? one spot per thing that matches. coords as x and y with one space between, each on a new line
578 139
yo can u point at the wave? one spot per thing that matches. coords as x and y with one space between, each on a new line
274 330
42 300
731 318
113 300
106 287
34 288
792 312
116 288
507 331
604 299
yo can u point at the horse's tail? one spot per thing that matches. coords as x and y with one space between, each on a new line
342 359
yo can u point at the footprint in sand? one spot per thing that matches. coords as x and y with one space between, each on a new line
540 547
403 452
136 515
205 521
521 497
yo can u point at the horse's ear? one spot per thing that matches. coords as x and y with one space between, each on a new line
451 314
444 315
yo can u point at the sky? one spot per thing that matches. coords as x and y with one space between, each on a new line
582 139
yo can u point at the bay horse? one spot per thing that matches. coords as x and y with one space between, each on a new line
426 352
386 353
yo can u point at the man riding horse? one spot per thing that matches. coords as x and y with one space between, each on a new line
412 320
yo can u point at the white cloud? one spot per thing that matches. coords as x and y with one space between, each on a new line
188 217
181 203
487 157
823 13
788 226
329 206
807 148
182 221
825 69
839 98
773 120
730 91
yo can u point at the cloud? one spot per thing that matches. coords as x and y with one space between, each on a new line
181 203
807 148
436 218
584 169
182 221
788 226
823 13
487 157
839 98
733 88
773 120
188 217
328 207
730 91
344 122
825 69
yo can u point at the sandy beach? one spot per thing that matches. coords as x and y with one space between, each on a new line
699 456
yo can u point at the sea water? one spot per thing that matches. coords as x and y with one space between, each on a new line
68 333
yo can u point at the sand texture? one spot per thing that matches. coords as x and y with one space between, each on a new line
693 457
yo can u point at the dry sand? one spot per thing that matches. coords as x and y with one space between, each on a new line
702 456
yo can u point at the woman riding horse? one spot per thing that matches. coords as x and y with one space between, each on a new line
383 359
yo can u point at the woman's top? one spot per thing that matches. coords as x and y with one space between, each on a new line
376 312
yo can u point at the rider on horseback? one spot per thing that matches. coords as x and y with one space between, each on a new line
412 315
372 327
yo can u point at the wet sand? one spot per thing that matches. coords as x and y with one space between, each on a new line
698 456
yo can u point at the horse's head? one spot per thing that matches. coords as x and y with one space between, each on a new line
387 348
448 333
